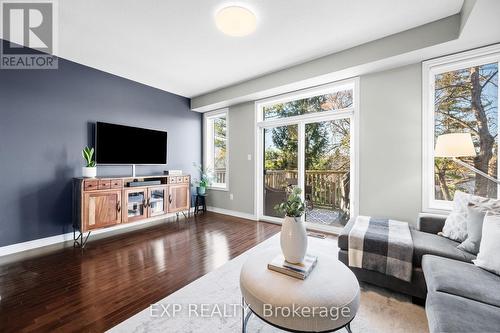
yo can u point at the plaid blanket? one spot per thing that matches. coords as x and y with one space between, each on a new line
381 245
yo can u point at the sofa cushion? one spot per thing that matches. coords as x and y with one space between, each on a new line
475 219
461 279
425 243
450 313
488 257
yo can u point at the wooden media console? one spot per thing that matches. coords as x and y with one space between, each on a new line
109 201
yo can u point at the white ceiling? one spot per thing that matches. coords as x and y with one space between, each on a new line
175 46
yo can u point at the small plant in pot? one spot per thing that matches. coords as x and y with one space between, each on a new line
205 180
90 170
293 231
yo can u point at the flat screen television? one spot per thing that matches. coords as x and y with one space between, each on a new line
119 144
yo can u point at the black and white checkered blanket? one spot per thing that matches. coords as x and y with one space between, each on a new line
381 245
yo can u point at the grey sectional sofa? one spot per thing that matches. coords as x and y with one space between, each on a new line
461 297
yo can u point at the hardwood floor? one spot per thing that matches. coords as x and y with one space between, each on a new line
116 277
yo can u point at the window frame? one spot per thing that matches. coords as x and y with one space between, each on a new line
430 69
208 143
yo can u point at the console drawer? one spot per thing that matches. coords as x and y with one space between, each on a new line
104 184
90 184
185 179
116 183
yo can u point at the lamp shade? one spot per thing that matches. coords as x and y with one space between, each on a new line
454 145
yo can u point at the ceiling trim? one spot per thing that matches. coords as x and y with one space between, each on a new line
375 55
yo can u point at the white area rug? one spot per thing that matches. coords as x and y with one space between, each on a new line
381 311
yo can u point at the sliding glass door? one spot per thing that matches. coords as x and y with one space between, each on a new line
308 142
280 165
327 164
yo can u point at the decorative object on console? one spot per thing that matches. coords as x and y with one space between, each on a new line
90 170
206 179
173 172
293 231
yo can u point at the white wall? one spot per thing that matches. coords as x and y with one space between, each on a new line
390 148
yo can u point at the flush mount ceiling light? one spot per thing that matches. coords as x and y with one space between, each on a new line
236 21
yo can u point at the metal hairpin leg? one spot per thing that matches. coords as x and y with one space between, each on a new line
183 213
348 327
81 240
244 318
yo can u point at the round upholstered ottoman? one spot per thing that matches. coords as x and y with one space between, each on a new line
326 301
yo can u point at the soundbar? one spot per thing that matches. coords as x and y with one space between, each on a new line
144 183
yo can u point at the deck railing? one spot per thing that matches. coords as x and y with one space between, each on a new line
325 188
220 176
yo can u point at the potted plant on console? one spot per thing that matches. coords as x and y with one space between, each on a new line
90 170
293 231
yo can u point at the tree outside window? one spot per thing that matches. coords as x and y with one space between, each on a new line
466 100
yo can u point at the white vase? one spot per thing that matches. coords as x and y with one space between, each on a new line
293 239
89 172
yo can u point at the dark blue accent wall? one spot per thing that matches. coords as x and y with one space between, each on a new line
46 118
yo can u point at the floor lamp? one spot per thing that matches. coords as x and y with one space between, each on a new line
457 145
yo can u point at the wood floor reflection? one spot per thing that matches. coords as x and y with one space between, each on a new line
116 277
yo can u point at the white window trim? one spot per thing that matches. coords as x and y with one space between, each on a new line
352 112
206 149
430 69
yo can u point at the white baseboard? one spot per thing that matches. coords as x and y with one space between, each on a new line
43 242
30 245
232 213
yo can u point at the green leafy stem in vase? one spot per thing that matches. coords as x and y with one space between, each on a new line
88 154
206 176
293 206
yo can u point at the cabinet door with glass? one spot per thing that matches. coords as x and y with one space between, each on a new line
157 203
135 204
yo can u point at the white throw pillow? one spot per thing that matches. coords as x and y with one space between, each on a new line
488 257
455 226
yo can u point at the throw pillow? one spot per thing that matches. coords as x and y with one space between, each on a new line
455 226
475 218
489 249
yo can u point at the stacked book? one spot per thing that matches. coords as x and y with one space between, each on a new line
298 271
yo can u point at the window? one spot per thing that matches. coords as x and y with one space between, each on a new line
337 100
216 147
461 96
